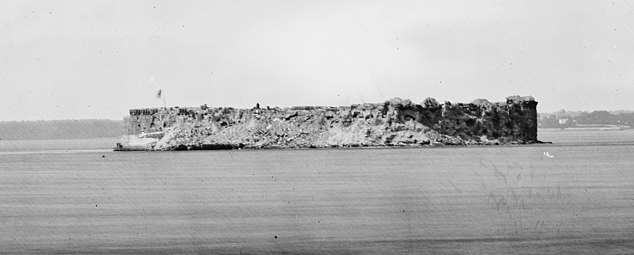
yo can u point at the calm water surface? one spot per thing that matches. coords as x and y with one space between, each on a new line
574 196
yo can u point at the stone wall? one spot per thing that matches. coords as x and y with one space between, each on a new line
396 122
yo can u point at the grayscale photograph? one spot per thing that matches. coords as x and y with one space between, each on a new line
316 127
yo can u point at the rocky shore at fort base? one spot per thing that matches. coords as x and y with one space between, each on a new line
396 122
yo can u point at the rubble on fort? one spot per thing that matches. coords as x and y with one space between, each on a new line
396 122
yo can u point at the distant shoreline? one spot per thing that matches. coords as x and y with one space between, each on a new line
589 128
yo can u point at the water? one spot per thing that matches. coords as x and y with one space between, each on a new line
56 146
574 196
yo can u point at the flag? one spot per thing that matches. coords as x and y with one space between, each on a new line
158 94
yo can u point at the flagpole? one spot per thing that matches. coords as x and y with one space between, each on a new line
160 95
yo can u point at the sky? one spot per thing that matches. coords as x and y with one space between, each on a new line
97 59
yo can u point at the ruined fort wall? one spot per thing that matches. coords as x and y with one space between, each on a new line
395 122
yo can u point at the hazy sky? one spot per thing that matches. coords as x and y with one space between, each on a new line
97 59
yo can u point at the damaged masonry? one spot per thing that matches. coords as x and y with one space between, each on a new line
396 122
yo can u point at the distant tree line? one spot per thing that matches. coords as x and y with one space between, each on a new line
563 119
60 129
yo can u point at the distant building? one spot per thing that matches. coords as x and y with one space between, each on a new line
563 121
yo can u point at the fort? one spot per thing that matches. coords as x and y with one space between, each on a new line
396 122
